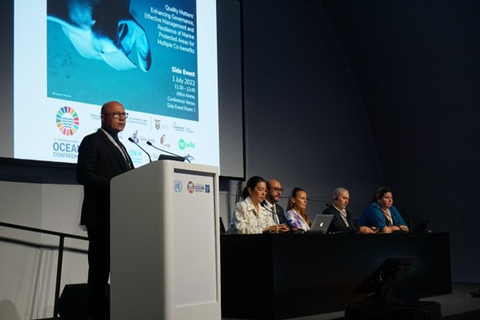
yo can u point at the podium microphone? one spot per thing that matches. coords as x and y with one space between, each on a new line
133 141
173 154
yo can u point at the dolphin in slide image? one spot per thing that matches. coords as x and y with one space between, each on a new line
103 30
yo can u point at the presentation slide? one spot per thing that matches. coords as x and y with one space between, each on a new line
158 58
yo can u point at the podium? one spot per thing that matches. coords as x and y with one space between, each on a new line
165 243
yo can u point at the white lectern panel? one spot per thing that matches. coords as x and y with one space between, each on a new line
165 243
194 239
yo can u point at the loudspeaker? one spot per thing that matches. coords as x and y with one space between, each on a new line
73 303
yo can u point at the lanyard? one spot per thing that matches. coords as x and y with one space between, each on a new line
120 148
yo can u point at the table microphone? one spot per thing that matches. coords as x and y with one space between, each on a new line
287 222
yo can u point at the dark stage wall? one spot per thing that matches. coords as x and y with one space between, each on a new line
417 65
305 121
366 93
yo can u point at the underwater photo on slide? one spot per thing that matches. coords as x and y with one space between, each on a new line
140 52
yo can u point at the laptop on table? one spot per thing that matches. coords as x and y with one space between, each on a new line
321 223
422 226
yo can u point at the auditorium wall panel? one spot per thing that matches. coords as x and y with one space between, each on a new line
416 64
305 121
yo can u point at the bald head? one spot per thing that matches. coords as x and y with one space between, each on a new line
113 117
274 191
109 106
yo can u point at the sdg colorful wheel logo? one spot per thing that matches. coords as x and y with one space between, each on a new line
67 121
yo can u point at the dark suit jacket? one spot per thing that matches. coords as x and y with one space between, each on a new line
337 224
280 212
99 161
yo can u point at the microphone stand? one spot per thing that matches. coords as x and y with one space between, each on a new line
133 141
165 151
287 222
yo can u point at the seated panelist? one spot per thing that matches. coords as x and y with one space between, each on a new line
274 192
342 219
250 217
296 210
382 215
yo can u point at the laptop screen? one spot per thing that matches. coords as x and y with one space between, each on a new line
321 223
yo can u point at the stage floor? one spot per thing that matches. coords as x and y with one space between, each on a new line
459 305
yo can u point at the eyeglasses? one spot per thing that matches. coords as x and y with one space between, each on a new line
277 189
117 115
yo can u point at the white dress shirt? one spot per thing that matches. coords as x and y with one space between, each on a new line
247 220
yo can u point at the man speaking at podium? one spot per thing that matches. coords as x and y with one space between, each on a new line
101 157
